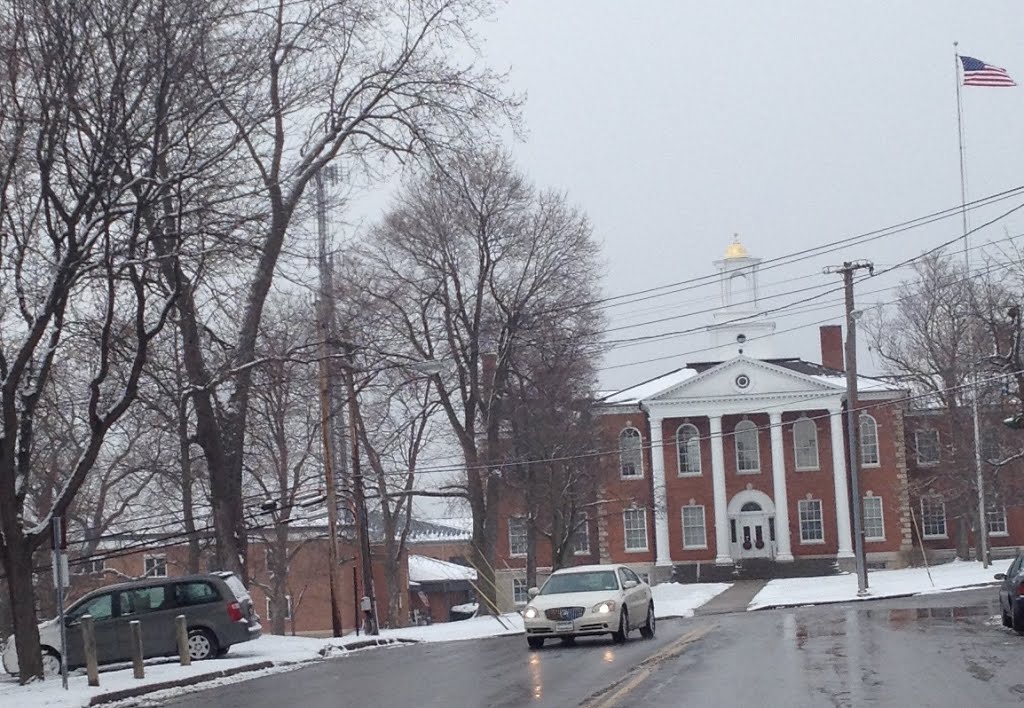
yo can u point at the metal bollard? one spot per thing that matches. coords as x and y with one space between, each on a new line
137 665
182 632
92 668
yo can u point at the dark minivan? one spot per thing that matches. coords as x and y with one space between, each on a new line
217 608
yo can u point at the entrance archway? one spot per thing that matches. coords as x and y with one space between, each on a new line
751 525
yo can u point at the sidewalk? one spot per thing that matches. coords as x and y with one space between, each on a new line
735 599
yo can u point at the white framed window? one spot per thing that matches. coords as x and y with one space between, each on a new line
90 566
288 609
631 453
694 529
516 536
634 525
581 539
869 441
933 517
155 566
812 528
688 450
874 523
805 444
996 519
748 455
926 443
520 593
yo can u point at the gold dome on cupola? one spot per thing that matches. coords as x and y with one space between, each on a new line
736 249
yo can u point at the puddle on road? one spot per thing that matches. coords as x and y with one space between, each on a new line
906 616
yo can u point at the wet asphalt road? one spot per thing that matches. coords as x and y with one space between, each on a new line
939 650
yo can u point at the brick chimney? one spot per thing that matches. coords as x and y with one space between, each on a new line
832 347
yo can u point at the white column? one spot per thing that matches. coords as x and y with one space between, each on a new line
785 553
722 553
663 551
839 478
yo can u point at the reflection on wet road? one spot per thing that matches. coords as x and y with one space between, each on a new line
491 672
941 650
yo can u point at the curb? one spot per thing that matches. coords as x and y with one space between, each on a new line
327 652
177 683
897 596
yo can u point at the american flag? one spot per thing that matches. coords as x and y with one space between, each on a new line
978 73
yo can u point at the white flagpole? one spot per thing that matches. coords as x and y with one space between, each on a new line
982 515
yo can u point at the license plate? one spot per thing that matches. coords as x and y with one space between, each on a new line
563 626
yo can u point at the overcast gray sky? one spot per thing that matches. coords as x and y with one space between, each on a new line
676 124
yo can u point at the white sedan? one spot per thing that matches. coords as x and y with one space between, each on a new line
589 600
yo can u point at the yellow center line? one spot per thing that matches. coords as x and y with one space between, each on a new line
628 683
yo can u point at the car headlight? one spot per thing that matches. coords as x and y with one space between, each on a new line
530 613
604 608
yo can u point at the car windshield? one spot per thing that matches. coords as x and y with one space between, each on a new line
594 581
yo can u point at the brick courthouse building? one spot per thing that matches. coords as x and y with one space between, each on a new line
739 463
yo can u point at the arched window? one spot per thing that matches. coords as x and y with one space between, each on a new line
868 441
748 456
631 453
751 506
805 444
688 450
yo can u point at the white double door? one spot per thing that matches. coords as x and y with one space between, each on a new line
754 535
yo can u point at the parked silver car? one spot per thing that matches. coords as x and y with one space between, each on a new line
217 608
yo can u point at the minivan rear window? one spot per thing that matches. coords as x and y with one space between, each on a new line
194 593
236 587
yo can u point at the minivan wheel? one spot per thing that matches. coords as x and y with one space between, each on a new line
201 644
535 642
51 662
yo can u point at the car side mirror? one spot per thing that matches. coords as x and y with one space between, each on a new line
628 584
1000 576
533 592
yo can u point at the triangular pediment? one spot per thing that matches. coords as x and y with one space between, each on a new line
745 377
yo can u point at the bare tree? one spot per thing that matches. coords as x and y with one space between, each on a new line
303 83
281 457
939 337
470 261
87 89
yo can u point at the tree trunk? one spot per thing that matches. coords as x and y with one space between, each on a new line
21 593
963 546
531 552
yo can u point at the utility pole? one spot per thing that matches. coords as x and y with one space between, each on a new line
325 313
359 496
852 416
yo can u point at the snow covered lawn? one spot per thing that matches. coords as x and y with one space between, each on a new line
279 653
680 600
473 628
881 583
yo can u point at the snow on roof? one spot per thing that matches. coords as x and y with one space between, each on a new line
864 384
441 530
425 570
651 387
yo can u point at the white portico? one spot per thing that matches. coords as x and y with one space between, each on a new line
751 523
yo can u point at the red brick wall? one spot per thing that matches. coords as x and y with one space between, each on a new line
819 484
681 490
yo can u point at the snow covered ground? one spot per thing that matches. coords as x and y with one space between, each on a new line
881 583
678 600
